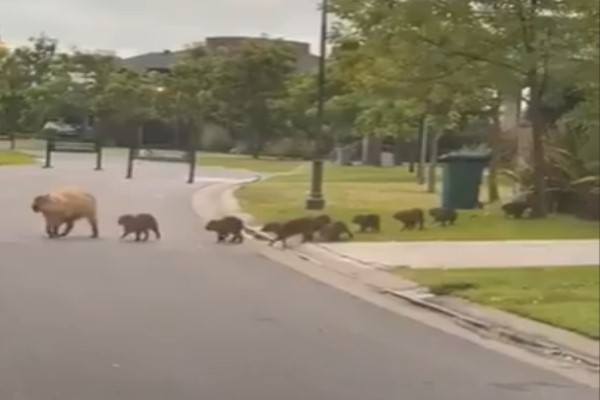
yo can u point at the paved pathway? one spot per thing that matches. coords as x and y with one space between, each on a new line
185 319
499 254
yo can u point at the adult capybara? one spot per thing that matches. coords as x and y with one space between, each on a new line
225 227
515 209
444 215
368 222
66 206
141 225
411 218
334 232
300 226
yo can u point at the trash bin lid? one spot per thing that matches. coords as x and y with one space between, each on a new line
466 155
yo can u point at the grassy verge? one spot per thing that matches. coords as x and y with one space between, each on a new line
566 297
355 190
264 164
8 157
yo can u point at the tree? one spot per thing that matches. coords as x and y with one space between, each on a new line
22 70
187 95
426 89
128 97
519 44
251 80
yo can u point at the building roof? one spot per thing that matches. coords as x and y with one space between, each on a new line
164 60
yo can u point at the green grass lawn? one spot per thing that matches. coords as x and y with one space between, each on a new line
355 190
8 157
234 161
567 297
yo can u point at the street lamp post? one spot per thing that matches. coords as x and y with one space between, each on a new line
315 200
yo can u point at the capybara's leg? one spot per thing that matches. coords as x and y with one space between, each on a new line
49 230
125 234
239 238
137 236
94 225
156 232
54 225
307 237
68 228
49 227
146 235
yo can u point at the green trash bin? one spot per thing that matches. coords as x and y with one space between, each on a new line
463 175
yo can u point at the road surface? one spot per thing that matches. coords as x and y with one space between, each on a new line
186 319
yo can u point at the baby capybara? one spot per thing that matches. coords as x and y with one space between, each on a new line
141 225
444 215
334 232
515 209
319 222
411 218
300 226
368 222
225 227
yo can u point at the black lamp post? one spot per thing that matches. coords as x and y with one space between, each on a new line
315 200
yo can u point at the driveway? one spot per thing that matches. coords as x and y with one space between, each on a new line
186 319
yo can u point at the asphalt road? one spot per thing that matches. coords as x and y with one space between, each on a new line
186 319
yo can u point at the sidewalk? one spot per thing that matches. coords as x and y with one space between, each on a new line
470 254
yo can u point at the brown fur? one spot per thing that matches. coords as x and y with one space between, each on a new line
272 227
444 215
334 232
320 222
141 225
225 227
66 206
515 209
304 226
368 222
411 218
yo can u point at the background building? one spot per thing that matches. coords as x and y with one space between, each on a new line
163 61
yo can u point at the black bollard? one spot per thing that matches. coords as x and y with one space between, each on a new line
130 159
98 156
192 160
49 148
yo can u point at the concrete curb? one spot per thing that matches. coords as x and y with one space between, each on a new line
546 347
491 329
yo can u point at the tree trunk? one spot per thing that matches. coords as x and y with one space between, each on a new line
423 151
412 155
493 192
399 151
371 151
540 208
433 164
255 145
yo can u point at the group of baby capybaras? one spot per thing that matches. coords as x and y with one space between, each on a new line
67 205
324 229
